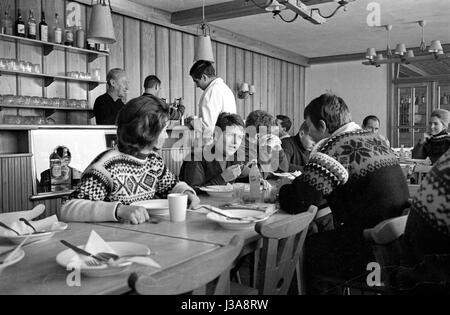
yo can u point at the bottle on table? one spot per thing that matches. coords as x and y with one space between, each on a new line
43 28
57 31
20 25
55 171
31 25
66 176
255 182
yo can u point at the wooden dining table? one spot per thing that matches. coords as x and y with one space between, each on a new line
39 274
171 243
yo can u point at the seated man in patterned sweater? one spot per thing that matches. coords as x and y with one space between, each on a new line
129 173
426 242
360 178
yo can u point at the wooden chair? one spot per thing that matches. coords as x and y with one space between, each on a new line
206 274
280 258
420 171
384 238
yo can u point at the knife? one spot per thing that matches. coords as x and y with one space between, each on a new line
81 251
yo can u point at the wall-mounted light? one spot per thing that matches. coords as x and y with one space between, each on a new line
245 90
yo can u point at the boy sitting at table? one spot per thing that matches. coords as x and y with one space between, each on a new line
218 163
131 172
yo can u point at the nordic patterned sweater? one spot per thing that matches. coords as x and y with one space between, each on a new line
434 147
428 226
115 178
357 173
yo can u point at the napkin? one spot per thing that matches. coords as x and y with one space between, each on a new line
40 225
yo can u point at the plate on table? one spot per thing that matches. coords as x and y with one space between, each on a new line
68 256
219 191
155 207
38 237
236 224
13 260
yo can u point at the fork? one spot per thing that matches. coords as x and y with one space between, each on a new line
7 227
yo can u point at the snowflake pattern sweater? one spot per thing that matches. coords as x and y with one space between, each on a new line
115 178
357 173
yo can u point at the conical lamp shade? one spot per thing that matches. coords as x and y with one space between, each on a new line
203 49
101 28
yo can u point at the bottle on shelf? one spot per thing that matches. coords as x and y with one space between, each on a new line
80 37
68 35
91 45
31 25
43 28
255 182
7 25
20 25
57 31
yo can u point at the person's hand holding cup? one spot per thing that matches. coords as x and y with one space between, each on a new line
177 207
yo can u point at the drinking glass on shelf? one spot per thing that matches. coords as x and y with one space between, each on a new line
8 99
3 63
37 68
35 101
19 100
62 102
10 64
28 67
72 103
27 100
20 66
84 103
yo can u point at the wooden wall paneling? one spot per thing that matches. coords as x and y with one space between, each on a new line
231 70
271 102
302 88
263 81
176 64
116 56
188 85
298 112
148 43
4 200
162 61
248 77
256 68
240 103
277 83
284 91
132 57
290 95
221 61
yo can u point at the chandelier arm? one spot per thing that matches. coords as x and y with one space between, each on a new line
288 21
327 16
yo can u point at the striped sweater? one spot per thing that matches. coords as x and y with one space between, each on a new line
115 178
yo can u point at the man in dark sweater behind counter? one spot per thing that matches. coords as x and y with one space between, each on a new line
108 105
359 176
297 148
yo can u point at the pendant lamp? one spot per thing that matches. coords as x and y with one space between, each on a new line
101 28
203 47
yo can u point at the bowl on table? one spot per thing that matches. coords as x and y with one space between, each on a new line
155 207
237 224
219 191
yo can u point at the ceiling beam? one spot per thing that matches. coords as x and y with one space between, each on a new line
227 10
416 69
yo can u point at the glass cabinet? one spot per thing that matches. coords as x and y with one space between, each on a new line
413 108
443 95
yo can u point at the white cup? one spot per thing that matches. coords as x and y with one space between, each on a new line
177 207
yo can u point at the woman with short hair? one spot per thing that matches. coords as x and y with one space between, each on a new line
131 172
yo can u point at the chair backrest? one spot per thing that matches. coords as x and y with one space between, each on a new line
384 238
282 246
206 274
420 171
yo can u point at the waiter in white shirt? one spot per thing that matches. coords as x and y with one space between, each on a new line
217 97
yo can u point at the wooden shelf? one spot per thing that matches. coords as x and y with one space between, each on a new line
49 79
49 110
49 47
